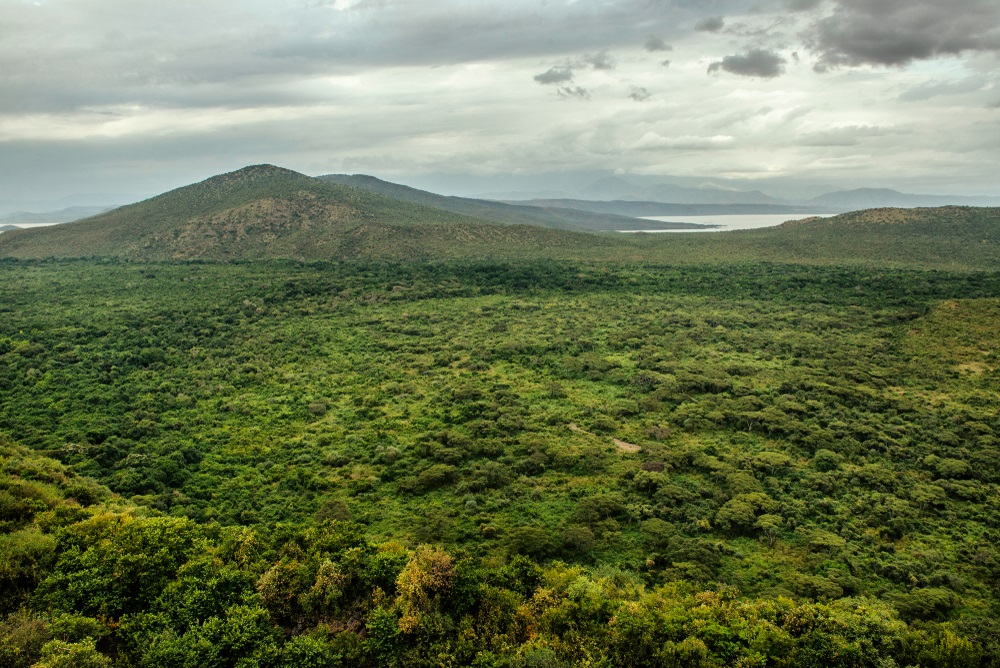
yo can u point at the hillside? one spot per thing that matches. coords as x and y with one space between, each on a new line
264 212
544 215
944 237
938 236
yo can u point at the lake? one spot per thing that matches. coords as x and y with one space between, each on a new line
727 223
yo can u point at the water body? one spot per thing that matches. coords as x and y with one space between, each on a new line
725 223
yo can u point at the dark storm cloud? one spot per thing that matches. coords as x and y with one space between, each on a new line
754 63
656 44
897 32
555 75
710 24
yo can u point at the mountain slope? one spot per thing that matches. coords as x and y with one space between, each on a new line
950 237
566 218
264 212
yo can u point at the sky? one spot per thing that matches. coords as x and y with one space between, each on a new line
136 97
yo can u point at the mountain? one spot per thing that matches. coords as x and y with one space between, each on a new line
869 198
611 187
263 212
567 218
616 188
8 228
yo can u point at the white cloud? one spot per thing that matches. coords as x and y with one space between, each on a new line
652 141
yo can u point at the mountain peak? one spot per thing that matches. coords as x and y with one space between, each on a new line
255 173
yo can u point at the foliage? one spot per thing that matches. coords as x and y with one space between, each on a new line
497 464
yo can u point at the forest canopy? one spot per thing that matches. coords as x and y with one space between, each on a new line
498 464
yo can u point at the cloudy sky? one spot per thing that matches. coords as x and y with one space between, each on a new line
136 96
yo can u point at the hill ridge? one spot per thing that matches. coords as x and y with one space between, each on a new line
264 211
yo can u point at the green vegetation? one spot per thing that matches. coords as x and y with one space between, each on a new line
492 464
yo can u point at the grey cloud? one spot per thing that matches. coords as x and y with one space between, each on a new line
555 75
574 92
558 74
656 44
754 63
897 32
639 94
802 5
600 61
147 53
710 24
665 63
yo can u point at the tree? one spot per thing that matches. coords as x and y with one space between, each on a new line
769 525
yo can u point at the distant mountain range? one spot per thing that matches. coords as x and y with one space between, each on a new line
544 214
66 215
640 209
615 188
618 189
872 198
82 200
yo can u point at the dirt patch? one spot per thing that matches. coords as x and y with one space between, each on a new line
626 447
973 367
620 444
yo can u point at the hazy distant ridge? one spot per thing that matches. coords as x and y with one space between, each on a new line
618 189
542 214
66 215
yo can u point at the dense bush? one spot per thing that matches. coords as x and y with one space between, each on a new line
286 465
